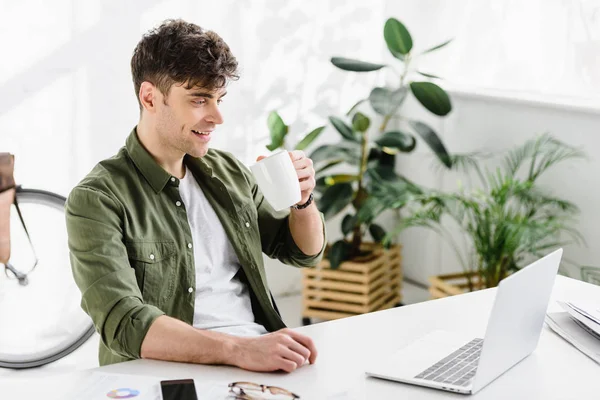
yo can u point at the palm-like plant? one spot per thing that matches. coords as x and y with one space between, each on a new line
507 220
357 149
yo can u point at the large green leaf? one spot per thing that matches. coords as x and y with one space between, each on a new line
377 232
360 122
370 209
439 46
320 185
374 154
340 251
377 157
348 64
274 145
394 141
384 172
335 199
397 38
308 139
330 164
433 97
348 223
343 129
433 140
346 151
340 178
385 184
327 152
385 101
278 129
428 75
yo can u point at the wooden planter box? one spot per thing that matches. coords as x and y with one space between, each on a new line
452 284
362 285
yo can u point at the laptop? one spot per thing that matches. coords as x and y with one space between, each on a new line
460 363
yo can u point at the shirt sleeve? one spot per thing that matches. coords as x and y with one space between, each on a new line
275 234
101 269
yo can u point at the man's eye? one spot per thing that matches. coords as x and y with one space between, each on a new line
219 101
200 102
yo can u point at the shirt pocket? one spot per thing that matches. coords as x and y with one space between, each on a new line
154 263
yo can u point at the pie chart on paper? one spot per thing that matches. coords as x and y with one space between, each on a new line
122 393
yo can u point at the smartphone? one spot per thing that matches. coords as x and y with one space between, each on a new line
179 389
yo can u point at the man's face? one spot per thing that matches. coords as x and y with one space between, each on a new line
186 118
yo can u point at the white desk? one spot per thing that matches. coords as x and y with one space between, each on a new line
556 370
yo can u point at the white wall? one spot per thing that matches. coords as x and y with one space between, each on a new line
67 98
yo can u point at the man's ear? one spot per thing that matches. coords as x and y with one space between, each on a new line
148 96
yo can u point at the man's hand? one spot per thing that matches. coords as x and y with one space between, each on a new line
306 173
284 350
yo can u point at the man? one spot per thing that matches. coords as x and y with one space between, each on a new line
166 237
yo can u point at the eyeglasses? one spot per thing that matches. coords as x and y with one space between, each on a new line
254 391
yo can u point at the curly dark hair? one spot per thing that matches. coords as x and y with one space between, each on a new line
182 52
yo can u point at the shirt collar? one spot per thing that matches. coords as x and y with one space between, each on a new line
156 176
199 165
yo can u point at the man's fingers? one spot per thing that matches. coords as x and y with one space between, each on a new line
306 342
302 163
297 155
292 355
299 348
305 173
287 365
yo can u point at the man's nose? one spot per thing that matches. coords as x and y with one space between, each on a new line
215 116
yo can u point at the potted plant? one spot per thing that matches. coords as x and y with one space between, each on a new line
357 276
507 220
358 149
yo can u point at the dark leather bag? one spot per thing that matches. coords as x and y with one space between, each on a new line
7 197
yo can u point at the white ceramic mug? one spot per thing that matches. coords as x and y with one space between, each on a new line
277 179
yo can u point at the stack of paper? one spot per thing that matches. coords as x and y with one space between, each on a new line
579 325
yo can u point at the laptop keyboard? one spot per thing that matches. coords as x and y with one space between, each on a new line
458 368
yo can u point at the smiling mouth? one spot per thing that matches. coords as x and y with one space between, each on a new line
201 133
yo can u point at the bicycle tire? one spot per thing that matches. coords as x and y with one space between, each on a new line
57 201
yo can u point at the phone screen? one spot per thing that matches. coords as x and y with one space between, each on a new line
181 389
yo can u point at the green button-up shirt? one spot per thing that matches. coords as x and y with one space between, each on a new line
128 234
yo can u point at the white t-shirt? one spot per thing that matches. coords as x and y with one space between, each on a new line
222 301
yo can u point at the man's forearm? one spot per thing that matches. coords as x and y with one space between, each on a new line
170 339
307 229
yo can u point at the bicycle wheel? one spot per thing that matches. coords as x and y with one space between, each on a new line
40 318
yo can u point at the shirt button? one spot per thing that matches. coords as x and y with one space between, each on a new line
178 203
190 290
189 245
172 179
247 224
152 256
